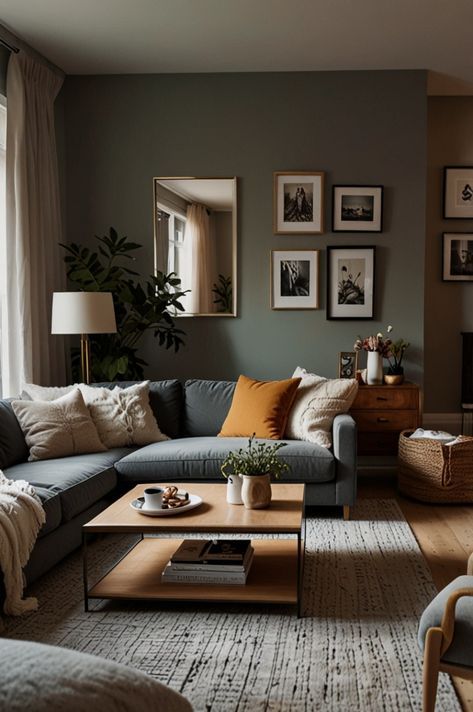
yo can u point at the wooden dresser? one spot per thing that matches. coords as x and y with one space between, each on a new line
381 412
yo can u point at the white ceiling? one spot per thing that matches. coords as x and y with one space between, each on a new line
143 36
215 193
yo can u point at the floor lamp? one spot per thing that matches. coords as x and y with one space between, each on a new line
83 313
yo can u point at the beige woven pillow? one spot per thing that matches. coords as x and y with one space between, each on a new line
123 416
318 400
57 428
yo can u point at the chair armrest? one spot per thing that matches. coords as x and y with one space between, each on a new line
448 619
344 450
469 566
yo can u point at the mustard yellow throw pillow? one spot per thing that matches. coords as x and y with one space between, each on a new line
259 407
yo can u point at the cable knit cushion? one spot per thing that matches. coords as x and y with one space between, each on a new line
44 678
57 428
123 416
45 393
318 400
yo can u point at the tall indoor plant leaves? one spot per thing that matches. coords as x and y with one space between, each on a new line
139 305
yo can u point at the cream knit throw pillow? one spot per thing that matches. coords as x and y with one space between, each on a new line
318 400
123 416
57 428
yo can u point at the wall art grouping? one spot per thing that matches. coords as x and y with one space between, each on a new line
457 247
299 210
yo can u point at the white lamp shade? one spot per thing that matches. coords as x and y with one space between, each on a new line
83 313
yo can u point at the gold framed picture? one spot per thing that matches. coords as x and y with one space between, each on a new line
347 364
298 202
295 279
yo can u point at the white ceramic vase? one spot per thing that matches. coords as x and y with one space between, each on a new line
374 368
234 484
256 491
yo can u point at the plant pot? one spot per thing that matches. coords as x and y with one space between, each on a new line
374 369
394 379
256 491
234 484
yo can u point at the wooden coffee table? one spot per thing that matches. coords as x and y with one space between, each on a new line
275 576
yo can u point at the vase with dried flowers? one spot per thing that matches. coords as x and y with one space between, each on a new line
377 348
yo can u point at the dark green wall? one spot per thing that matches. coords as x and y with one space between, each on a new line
358 127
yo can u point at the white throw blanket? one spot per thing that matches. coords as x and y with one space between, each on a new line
21 517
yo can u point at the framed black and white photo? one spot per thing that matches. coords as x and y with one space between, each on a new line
295 279
350 282
298 202
457 257
357 208
347 364
458 192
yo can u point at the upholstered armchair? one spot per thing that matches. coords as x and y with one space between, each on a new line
446 635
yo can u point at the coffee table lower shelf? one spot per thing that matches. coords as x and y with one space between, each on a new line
273 577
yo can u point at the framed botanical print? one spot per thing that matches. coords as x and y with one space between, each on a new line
457 257
294 279
357 208
298 202
458 192
350 282
347 364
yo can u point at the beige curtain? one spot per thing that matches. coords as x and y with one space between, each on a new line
34 264
201 250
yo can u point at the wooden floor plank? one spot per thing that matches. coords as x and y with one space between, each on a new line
445 537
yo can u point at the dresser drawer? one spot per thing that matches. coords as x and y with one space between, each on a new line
370 397
385 443
384 420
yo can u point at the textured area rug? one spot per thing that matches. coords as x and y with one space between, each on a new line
366 584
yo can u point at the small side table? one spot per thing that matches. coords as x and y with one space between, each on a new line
381 413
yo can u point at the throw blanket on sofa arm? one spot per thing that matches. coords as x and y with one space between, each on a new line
21 518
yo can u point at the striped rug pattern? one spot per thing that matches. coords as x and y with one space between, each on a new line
366 584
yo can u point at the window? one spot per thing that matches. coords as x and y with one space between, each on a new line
3 141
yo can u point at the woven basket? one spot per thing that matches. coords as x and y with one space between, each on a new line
432 472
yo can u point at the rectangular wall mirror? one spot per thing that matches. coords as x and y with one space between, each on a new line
195 236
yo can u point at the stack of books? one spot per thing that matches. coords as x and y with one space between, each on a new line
221 561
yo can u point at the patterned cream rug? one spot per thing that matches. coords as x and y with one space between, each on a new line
366 584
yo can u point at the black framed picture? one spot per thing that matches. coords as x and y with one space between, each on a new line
458 192
357 208
298 198
457 257
350 282
295 279
347 364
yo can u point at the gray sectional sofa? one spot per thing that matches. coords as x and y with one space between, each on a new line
74 489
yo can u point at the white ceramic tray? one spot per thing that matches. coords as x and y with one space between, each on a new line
137 505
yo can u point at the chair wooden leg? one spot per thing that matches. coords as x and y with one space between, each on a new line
432 646
346 512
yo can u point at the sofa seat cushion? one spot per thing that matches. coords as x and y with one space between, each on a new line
201 458
79 481
52 508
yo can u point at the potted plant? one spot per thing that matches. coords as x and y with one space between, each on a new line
395 374
254 466
140 306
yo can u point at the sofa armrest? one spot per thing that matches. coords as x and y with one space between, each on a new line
344 450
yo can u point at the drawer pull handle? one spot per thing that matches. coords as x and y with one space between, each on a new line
381 398
383 420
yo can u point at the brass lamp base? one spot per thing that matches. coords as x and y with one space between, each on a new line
85 357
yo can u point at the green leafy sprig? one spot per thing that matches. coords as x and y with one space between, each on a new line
257 459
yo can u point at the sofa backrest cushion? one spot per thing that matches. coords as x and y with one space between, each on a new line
206 405
165 398
13 447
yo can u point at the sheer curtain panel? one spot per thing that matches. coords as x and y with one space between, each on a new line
202 259
33 260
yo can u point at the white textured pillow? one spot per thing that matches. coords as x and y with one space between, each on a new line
318 400
123 416
57 428
45 393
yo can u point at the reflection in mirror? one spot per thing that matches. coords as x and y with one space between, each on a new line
195 237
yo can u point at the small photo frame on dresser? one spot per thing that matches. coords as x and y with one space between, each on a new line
347 364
